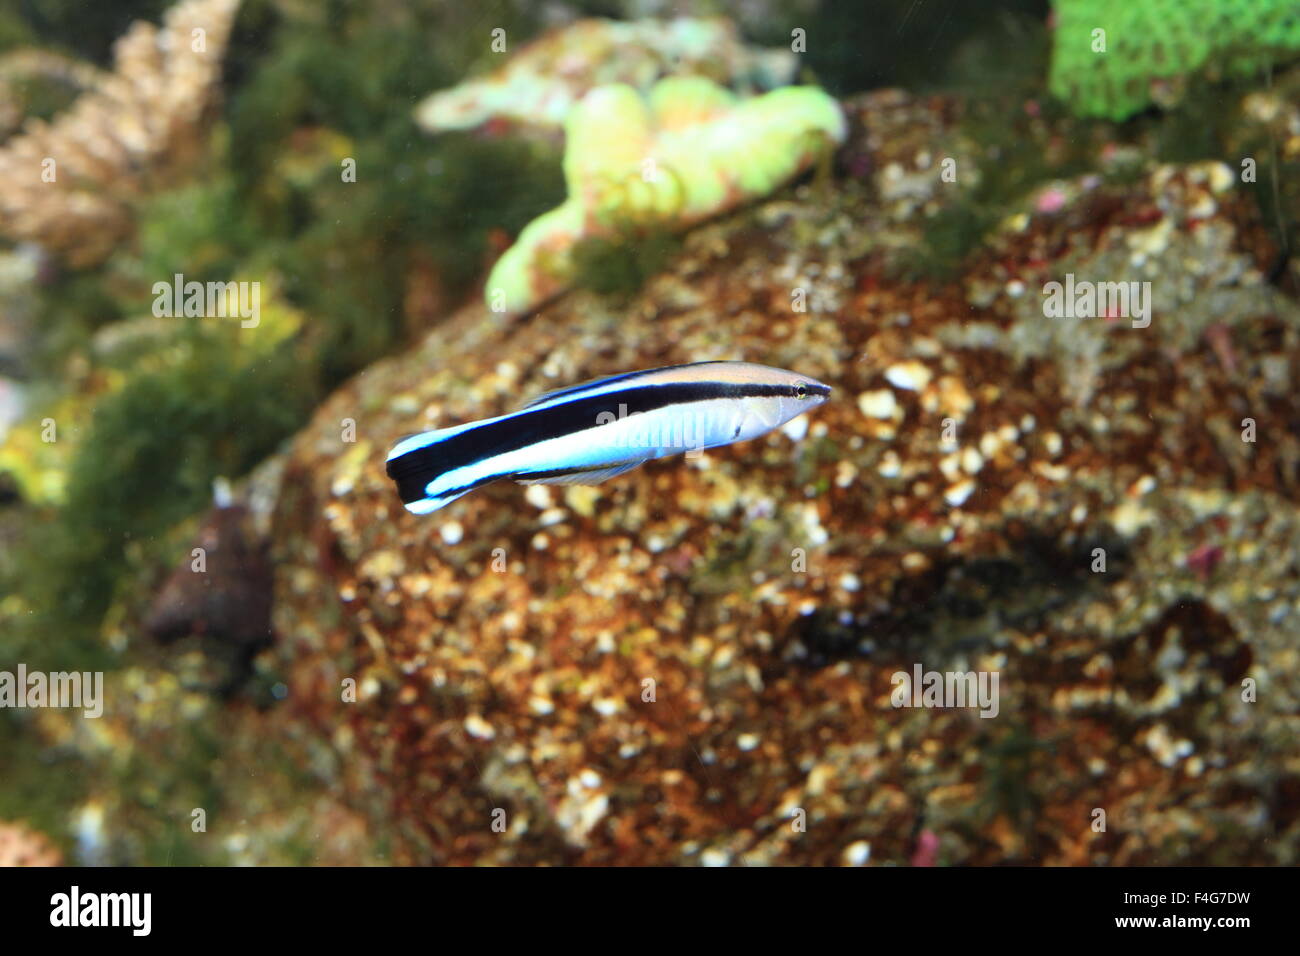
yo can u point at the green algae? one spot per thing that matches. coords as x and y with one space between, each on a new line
271 204
620 266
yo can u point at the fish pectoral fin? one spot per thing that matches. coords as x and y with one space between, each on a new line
585 476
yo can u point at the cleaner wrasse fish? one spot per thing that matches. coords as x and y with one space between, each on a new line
588 433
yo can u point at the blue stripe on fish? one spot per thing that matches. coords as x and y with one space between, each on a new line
600 383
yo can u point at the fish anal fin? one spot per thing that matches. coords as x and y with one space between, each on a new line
590 476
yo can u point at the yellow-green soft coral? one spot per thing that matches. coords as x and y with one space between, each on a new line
688 152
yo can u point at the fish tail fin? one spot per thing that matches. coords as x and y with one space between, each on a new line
417 462
430 503
414 463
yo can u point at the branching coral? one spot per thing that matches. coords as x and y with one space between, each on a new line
689 151
540 85
20 67
68 184
1146 46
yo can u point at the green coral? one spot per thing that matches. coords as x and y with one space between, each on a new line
1147 45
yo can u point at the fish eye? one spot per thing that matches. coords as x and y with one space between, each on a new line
801 390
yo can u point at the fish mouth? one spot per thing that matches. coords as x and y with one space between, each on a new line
817 391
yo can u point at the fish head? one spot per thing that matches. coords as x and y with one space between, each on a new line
789 396
807 394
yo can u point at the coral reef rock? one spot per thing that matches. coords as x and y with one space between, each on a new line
221 593
696 663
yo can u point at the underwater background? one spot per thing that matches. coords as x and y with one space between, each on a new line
444 209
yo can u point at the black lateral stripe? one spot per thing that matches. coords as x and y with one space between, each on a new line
422 465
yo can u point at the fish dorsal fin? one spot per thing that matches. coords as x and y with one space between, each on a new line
569 390
592 476
595 383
